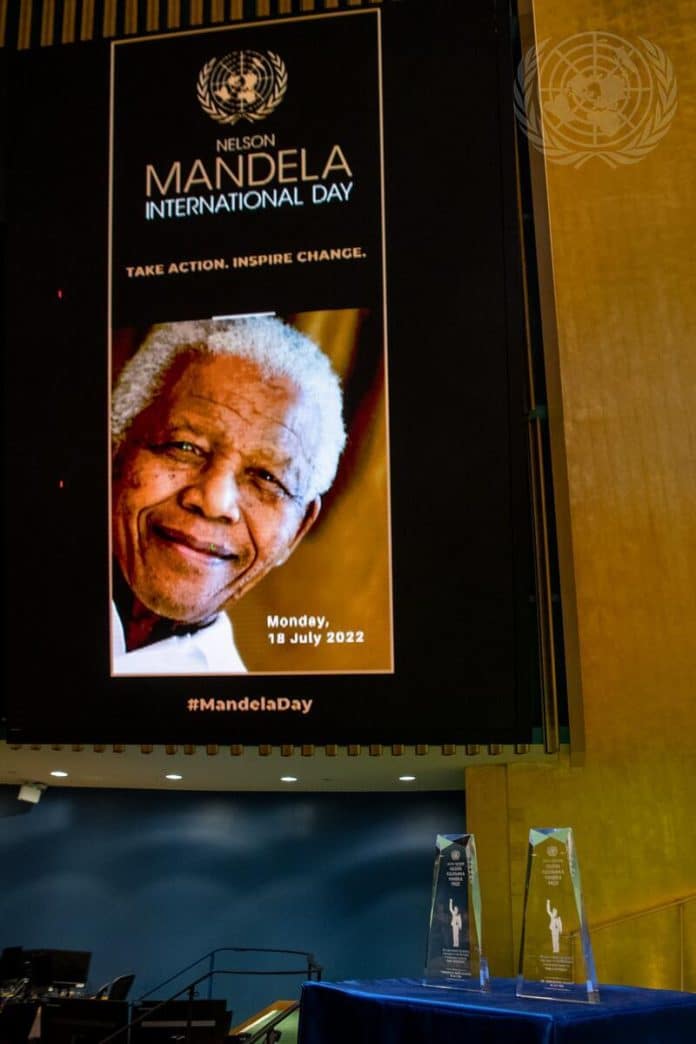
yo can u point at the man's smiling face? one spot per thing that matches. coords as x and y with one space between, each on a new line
212 486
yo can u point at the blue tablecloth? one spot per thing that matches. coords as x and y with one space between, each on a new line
402 1011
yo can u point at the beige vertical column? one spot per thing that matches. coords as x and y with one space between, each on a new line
487 819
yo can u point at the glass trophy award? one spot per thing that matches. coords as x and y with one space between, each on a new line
556 959
454 954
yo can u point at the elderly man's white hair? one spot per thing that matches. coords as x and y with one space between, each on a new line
277 349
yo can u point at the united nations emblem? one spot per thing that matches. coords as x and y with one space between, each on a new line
243 85
455 854
595 96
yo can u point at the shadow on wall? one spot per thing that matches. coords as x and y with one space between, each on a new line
150 881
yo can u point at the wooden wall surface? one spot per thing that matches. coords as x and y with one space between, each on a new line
622 387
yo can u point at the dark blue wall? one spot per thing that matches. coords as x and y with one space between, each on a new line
150 880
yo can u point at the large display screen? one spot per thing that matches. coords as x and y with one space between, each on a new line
266 351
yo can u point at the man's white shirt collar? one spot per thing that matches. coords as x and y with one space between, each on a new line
208 651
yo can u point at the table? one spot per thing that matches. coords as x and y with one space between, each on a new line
61 1020
403 1011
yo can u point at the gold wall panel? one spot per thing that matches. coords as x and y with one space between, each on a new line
688 930
623 424
623 272
633 824
490 789
655 937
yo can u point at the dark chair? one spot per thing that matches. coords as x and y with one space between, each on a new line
117 989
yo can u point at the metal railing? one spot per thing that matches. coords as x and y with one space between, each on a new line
679 905
311 971
673 904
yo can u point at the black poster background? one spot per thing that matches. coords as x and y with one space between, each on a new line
332 98
465 641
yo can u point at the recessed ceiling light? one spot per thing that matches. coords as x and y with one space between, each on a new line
173 775
406 779
59 773
288 779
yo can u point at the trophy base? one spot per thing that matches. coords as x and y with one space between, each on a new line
477 982
575 993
